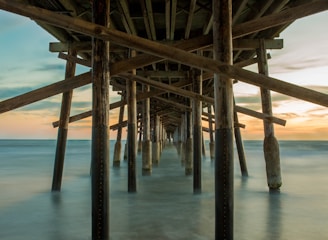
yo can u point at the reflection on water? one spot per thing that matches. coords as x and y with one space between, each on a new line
164 206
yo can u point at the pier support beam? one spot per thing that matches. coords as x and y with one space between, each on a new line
63 126
210 126
146 145
270 145
222 44
140 138
189 142
179 142
197 134
183 139
240 147
132 132
203 145
156 141
118 144
100 119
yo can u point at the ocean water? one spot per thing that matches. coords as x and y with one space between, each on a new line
164 206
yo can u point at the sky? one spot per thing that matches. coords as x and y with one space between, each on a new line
27 64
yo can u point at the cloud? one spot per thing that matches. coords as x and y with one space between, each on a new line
44 105
50 67
10 21
288 64
6 93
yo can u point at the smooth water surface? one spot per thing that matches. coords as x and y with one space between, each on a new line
164 206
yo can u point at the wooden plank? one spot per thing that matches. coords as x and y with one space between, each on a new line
162 74
63 46
149 9
126 15
168 18
173 18
250 44
119 125
45 92
74 59
192 7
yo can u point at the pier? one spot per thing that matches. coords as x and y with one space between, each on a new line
174 63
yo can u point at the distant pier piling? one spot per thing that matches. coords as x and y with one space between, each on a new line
189 142
240 147
147 145
270 144
63 125
183 140
197 134
132 132
210 126
156 141
118 144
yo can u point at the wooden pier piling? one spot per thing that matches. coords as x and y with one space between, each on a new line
189 141
63 126
183 139
132 132
140 138
222 45
118 144
210 126
156 141
146 145
240 147
197 134
100 123
270 145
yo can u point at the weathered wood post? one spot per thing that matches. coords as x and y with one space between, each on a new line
118 144
63 126
100 119
240 147
160 134
125 154
146 146
156 141
210 126
140 137
270 145
132 132
197 134
222 44
183 139
179 140
189 141
203 145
